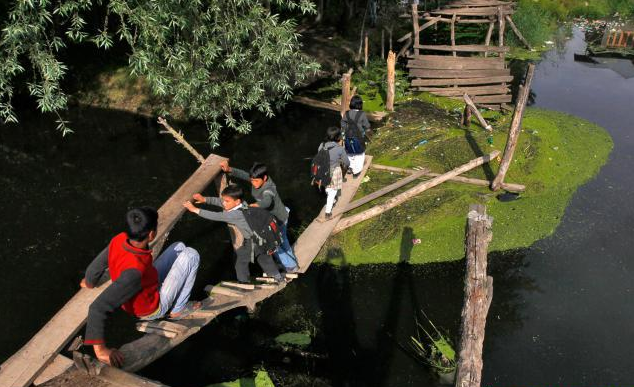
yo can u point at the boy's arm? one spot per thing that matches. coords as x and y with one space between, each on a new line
345 161
227 217
267 199
120 291
213 201
240 174
365 123
95 270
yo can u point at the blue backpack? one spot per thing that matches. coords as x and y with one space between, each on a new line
354 142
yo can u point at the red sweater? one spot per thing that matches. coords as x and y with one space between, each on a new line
123 256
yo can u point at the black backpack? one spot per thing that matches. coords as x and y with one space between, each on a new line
267 234
355 143
320 167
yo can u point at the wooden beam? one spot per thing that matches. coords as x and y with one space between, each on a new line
377 194
459 82
481 11
415 28
501 98
460 91
440 62
345 92
464 48
487 40
422 73
24 366
458 179
372 116
514 130
391 85
59 365
517 32
477 298
418 189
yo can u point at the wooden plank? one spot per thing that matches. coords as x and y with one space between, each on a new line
492 98
162 325
372 116
472 107
460 91
455 63
410 193
517 32
479 11
458 179
420 73
237 285
223 291
460 82
464 48
478 292
24 366
59 365
377 194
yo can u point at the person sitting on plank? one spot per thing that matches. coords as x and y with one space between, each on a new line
145 289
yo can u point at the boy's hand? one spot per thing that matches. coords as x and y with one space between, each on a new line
200 199
224 165
254 205
112 357
190 207
85 284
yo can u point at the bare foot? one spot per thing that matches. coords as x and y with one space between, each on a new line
187 310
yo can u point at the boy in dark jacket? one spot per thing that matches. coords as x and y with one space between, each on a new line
265 193
145 289
355 126
241 234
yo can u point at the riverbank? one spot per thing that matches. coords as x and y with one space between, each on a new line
556 154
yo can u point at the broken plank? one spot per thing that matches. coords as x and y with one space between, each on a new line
418 189
377 194
460 81
458 91
25 365
464 48
460 74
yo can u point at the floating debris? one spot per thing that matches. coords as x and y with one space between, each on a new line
416 241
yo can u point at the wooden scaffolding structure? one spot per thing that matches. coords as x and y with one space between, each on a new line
453 70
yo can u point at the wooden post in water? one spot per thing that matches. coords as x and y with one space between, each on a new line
478 292
366 50
514 131
345 91
391 64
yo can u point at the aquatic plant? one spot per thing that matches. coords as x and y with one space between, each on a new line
433 348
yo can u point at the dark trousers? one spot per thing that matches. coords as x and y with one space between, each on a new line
243 258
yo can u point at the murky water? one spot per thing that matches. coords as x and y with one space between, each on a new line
561 311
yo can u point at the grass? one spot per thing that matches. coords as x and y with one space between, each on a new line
556 153
260 379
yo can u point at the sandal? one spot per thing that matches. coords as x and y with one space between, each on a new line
190 307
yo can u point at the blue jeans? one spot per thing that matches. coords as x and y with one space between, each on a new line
285 253
177 267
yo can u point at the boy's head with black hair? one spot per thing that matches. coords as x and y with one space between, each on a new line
259 175
356 103
333 134
141 224
232 196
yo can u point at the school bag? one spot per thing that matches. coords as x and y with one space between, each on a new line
320 167
267 234
354 142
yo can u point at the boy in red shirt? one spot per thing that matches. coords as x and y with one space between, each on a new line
143 288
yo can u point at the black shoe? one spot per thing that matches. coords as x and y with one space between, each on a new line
328 215
356 175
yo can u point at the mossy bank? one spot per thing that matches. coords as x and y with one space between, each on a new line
556 154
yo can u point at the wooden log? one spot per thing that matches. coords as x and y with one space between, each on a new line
477 299
462 81
377 194
119 378
464 48
59 365
24 366
514 131
391 85
404 196
501 20
477 113
382 43
404 37
415 28
487 40
403 49
237 285
517 32
161 327
422 73
453 35
466 116
372 116
223 291
458 91
178 136
432 21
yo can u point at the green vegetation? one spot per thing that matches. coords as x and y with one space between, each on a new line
556 153
300 339
210 60
261 379
433 348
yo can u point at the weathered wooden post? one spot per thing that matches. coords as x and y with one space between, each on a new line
345 91
366 50
487 40
391 86
453 34
382 43
478 292
472 108
415 30
514 131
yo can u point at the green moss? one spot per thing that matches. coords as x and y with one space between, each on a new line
556 153
261 379
300 339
